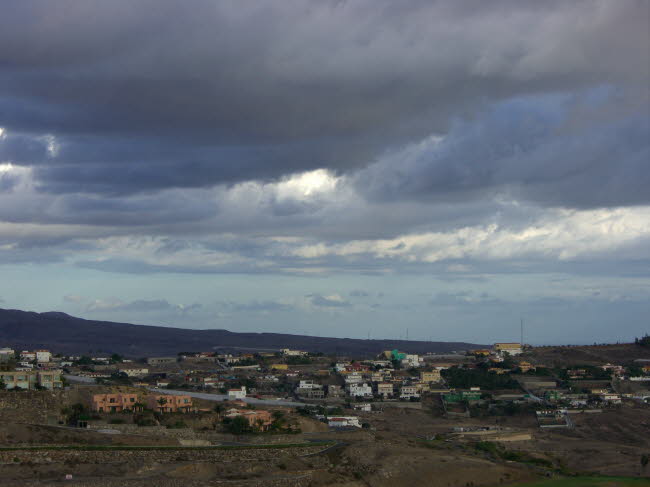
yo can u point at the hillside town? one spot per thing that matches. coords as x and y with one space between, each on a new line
508 394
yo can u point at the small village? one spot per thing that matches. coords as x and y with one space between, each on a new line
342 392
511 405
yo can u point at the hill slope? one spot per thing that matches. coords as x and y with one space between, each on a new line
66 334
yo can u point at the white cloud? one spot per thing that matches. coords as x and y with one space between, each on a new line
558 235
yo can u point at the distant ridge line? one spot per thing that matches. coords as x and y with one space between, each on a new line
67 334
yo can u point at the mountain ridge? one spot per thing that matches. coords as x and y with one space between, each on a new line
63 333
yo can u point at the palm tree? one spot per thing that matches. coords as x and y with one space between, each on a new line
162 401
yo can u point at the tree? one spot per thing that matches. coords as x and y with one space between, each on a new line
644 462
643 341
237 425
161 403
116 358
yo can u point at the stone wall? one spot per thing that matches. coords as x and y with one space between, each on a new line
32 406
136 457
187 433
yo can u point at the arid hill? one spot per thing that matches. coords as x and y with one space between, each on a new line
67 334
588 354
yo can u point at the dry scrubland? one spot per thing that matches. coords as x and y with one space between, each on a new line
410 445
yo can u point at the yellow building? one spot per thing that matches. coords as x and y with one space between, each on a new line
433 376
279 367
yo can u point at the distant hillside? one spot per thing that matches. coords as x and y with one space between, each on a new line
562 356
66 334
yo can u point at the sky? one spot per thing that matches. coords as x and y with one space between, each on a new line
371 168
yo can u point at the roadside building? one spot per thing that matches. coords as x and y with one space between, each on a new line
237 393
168 403
310 390
343 422
161 360
134 372
114 403
360 390
32 379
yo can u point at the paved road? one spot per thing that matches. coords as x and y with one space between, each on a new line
222 397
199 395
79 379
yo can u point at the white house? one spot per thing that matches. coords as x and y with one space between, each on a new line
366 407
308 384
343 421
27 356
353 378
412 360
134 372
43 356
360 390
340 367
237 393
292 353
407 392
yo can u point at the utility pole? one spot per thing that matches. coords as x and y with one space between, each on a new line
522 333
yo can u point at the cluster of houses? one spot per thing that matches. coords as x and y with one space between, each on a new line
168 403
314 379
35 369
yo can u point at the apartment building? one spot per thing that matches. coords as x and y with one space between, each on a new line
257 418
432 376
32 379
167 403
385 389
114 403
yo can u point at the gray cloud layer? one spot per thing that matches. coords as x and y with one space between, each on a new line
476 142
117 98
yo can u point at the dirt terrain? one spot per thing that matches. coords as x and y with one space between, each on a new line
587 355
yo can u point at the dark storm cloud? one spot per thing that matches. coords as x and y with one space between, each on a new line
159 94
526 148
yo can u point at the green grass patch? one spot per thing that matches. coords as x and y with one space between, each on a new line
582 481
